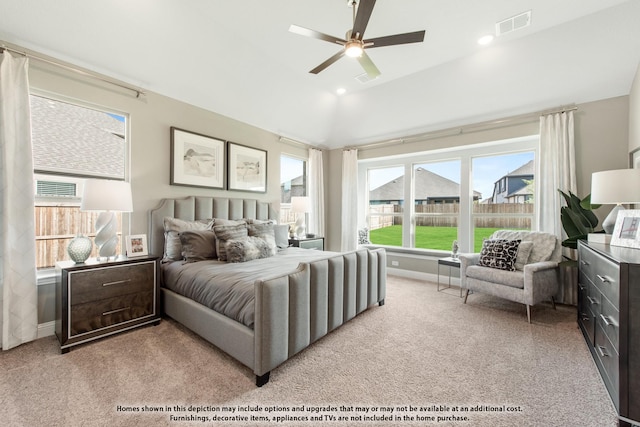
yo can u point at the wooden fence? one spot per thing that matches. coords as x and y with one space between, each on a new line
499 215
53 225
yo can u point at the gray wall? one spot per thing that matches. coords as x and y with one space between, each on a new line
634 113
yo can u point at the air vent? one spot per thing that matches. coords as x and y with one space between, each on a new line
514 23
364 78
55 189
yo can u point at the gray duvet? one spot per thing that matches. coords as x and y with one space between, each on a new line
228 288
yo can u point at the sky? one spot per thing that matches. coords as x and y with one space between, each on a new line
486 171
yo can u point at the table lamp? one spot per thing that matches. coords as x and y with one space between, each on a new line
108 197
300 205
615 187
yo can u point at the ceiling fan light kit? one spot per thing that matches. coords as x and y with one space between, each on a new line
354 46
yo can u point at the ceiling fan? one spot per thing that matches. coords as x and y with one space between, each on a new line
354 43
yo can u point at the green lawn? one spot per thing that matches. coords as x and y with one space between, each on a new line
440 238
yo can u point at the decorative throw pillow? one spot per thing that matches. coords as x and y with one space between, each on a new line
499 253
198 245
246 249
524 250
266 232
228 232
172 229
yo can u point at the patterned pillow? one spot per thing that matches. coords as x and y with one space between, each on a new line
228 232
266 232
499 253
246 249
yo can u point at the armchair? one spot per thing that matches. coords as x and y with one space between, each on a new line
536 275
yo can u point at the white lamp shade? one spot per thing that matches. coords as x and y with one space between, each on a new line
300 204
620 186
106 195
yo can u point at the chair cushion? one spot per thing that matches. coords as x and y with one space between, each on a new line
514 279
499 253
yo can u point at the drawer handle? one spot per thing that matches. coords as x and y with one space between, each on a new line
592 301
119 282
602 351
583 262
603 279
607 320
115 311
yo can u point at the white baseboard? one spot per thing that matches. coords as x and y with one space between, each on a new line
46 329
428 277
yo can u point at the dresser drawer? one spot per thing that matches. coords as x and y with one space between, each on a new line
609 362
609 321
92 316
110 281
603 273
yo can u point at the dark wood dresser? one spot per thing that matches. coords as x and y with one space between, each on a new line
609 317
95 299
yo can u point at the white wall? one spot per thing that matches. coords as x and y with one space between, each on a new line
634 113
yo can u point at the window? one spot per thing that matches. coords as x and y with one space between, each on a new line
386 204
463 193
70 143
293 183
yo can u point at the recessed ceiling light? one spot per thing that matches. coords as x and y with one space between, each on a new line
341 91
485 40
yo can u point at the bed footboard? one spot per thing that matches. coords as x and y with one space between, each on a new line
295 310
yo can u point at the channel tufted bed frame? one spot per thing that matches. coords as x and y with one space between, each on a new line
292 309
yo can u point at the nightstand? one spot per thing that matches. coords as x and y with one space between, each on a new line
316 243
95 299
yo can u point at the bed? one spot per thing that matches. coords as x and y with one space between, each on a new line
292 306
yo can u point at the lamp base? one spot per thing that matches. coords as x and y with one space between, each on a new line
106 238
609 223
599 238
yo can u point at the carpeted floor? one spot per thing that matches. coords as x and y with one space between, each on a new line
423 358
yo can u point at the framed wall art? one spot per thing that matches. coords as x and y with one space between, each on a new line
137 245
626 232
246 168
197 160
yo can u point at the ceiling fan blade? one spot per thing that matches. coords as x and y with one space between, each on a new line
315 34
365 8
415 37
328 62
368 65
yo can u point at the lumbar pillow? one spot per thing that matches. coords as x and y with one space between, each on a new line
524 250
172 229
198 245
499 253
228 232
246 249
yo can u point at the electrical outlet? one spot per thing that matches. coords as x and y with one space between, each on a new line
395 263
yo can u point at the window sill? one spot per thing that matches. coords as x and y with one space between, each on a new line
411 251
46 277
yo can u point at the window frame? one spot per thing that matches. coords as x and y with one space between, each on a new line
45 274
465 154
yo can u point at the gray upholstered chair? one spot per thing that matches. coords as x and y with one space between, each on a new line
535 279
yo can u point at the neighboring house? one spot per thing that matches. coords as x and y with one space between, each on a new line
294 188
431 188
514 187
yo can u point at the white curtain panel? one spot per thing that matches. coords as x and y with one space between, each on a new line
316 192
349 200
19 304
557 168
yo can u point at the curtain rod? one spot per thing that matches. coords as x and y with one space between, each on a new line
93 75
290 141
475 127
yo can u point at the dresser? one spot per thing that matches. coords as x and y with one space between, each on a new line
609 317
95 299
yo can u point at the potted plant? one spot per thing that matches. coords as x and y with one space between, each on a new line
578 221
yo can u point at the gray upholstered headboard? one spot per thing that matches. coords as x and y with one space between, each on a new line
195 207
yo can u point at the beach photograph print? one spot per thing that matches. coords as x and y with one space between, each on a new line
196 160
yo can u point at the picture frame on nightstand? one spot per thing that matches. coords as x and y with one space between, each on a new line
137 245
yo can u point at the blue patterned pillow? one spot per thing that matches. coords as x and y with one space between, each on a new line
499 253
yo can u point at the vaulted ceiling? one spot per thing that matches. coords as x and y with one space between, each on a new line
238 58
